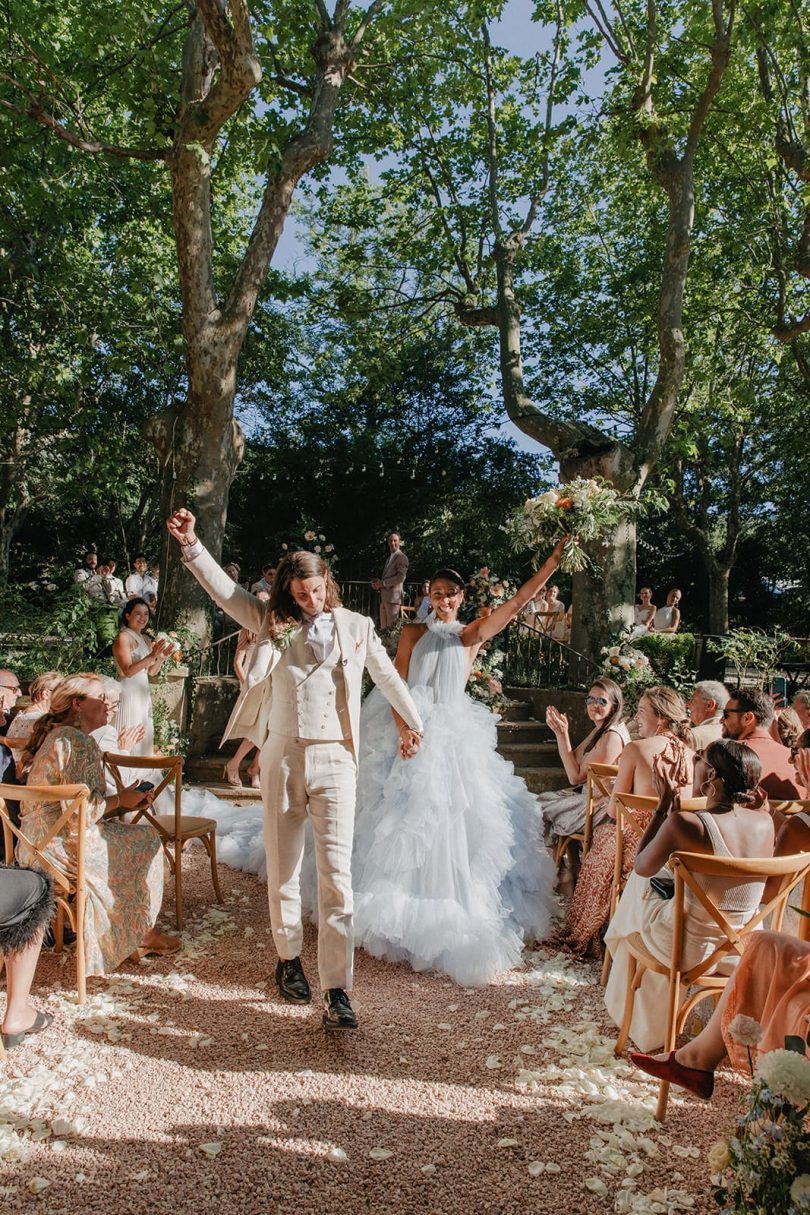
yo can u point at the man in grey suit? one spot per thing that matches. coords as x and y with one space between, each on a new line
311 712
390 584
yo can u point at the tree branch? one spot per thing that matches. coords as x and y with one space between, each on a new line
365 21
492 135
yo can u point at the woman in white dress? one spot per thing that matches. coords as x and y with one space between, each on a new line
733 824
667 619
449 872
137 658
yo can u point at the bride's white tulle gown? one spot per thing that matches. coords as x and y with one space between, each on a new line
449 872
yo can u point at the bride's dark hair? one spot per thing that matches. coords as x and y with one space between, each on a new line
448 575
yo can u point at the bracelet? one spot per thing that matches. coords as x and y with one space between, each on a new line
188 543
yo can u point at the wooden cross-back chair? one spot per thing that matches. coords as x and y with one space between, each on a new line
687 867
797 805
599 784
628 806
70 890
175 830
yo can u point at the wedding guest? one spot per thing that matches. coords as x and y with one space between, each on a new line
10 692
801 706
265 583
88 567
705 705
423 611
108 736
556 613
250 668
771 986
390 583
26 907
123 861
136 658
733 824
135 582
667 619
39 693
151 582
8 776
747 718
663 729
644 611
112 584
563 810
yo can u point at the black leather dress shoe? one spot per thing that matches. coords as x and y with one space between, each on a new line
338 1013
292 982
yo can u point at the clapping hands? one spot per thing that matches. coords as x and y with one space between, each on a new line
557 721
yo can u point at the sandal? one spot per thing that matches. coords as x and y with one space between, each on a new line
234 781
160 951
41 1021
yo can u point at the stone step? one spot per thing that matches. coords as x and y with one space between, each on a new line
516 709
531 754
524 732
227 793
540 780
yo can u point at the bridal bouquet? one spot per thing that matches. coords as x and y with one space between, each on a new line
765 1165
583 510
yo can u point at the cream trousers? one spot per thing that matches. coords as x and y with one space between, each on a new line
319 778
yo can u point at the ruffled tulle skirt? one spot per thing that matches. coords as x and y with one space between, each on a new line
449 872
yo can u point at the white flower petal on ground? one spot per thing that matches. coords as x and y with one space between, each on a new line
508 1143
37 1184
428 1169
211 1149
596 1186
337 1155
493 1062
536 1167
380 1153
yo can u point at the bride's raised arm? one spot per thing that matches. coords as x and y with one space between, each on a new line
478 631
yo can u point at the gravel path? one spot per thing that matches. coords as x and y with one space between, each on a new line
184 1082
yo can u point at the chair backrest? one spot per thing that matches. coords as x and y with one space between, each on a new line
796 806
170 765
627 808
688 866
601 778
73 798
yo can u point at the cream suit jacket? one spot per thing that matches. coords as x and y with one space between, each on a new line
357 639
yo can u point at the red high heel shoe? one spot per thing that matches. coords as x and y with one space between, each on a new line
692 1078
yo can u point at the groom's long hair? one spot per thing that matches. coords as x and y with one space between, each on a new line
300 565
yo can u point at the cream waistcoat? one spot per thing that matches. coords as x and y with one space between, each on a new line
309 698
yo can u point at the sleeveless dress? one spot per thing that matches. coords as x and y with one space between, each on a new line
449 872
642 910
663 618
135 707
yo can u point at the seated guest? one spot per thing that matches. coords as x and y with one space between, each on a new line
123 861
108 736
563 810
663 731
265 583
8 776
667 619
747 718
26 907
801 762
733 824
771 986
801 707
10 691
786 729
39 694
705 705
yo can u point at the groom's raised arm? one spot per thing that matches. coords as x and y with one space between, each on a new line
227 594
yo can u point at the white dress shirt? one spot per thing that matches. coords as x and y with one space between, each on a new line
320 633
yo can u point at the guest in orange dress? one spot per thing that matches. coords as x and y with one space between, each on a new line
663 728
771 986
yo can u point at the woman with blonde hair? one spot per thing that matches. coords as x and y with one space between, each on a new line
40 691
123 861
663 728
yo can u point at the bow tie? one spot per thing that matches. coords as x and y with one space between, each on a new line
320 632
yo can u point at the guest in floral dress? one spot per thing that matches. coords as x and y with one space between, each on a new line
663 729
123 861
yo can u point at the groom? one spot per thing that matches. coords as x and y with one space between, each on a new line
309 759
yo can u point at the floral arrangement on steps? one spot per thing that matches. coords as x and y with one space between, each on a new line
486 678
764 1167
583 510
631 669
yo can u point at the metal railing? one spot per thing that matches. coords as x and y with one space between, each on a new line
217 658
535 660
361 597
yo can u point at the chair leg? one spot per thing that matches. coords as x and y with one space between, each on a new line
606 965
635 973
81 960
210 842
674 998
178 883
59 931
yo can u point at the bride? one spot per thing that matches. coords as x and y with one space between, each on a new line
449 872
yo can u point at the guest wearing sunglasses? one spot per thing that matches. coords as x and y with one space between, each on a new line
9 692
564 809
747 718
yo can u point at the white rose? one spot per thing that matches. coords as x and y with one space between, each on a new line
551 497
786 1074
309 535
800 1190
330 548
745 1030
317 548
718 1156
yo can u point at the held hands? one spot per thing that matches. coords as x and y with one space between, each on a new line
181 526
409 742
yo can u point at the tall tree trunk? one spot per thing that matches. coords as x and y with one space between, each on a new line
718 573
